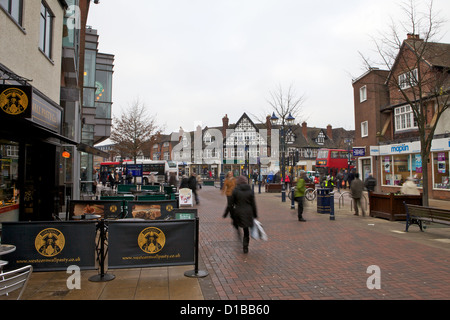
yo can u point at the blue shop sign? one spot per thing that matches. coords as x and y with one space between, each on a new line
359 152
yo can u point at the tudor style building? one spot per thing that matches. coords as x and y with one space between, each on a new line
246 147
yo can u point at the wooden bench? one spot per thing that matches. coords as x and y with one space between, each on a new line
416 214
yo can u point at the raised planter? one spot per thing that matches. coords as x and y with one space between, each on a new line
273 187
390 206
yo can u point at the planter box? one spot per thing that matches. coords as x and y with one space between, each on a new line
273 187
390 206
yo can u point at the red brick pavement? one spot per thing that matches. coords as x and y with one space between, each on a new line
320 258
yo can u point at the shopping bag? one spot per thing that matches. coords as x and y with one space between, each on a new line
257 231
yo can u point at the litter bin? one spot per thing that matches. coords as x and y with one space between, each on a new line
324 200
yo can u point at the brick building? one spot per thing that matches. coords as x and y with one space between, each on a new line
386 126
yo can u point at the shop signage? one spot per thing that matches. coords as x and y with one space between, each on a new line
51 245
151 243
359 152
15 101
46 114
400 148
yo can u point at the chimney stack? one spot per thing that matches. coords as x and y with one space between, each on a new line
304 130
269 126
329 132
224 126
412 36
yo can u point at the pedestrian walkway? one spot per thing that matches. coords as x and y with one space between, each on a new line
320 259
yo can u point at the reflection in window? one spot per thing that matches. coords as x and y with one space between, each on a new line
9 171
45 34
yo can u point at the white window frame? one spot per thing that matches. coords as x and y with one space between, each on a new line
364 129
408 79
404 118
363 94
46 30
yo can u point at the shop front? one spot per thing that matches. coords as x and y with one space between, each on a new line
397 162
31 149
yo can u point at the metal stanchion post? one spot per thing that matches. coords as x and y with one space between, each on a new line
292 198
332 205
196 273
101 256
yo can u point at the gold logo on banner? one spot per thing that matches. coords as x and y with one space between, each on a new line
169 207
49 242
13 101
151 240
113 208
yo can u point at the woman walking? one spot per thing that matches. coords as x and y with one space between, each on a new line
228 187
243 200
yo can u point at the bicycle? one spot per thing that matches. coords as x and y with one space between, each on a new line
310 194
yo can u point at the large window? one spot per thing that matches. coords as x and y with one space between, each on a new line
396 169
45 32
408 79
404 118
14 8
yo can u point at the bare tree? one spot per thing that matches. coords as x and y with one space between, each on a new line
418 73
286 103
133 130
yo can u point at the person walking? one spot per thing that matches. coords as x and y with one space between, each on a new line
299 195
409 187
227 189
243 200
370 183
356 188
192 183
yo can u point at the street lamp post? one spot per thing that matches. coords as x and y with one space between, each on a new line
284 121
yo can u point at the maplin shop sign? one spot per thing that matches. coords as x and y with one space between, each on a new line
15 101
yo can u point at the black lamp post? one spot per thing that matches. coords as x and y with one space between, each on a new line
288 121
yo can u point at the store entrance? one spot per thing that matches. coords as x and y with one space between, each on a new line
39 182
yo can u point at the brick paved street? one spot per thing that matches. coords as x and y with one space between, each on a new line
320 258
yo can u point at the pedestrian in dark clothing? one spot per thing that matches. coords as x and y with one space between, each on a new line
351 176
243 200
370 183
184 182
192 183
356 188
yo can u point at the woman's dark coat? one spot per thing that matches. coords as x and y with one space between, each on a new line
243 200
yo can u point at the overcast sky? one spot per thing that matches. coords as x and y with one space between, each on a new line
193 61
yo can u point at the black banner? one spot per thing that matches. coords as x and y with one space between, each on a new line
15 101
50 245
152 210
151 243
104 209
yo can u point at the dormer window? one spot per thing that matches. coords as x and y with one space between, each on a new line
320 138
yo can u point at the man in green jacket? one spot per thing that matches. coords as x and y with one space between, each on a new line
300 194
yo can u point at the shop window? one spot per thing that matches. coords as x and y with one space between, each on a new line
416 165
387 171
9 165
401 169
396 169
441 170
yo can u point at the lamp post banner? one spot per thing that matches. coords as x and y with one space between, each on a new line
151 243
